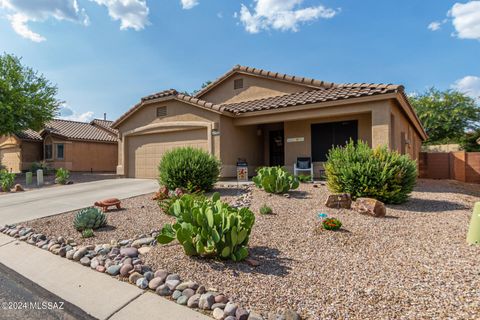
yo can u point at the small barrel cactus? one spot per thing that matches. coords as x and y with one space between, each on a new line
89 218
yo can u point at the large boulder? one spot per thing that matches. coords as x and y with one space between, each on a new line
339 201
369 206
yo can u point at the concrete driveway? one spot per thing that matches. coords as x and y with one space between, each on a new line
23 206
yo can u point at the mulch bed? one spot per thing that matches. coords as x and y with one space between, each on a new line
412 264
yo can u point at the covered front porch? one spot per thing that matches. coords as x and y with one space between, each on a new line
278 139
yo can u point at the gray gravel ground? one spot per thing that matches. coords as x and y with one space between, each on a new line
413 264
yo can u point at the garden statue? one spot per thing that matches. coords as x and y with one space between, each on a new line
106 203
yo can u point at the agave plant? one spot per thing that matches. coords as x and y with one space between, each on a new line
89 218
275 180
209 227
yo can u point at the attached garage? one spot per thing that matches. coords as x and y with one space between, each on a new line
146 150
10 159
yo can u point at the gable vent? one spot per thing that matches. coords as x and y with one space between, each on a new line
161 111
238 84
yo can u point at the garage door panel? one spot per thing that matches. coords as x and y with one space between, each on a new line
10 158
145 151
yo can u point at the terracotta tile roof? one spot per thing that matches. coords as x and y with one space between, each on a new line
174 94
309 82
78 131
105 124
29 135
337 92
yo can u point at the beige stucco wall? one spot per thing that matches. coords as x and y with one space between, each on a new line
180 116
239 142
302 129
84 156
253 88
31 152
400 125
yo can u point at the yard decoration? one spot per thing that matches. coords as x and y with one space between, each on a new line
332 224
89 218
106 203
473 235
369 206
18 188
275 180
209 227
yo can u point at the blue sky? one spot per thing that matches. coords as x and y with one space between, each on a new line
104 55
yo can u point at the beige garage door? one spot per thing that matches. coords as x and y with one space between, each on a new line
145 151
10 159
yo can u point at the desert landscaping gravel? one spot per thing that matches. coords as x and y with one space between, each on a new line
412 264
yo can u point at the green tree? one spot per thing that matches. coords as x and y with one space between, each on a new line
469 141
446 115
27 98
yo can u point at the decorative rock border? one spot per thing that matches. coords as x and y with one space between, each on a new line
122 259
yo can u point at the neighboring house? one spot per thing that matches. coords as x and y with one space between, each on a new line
267 118
76 146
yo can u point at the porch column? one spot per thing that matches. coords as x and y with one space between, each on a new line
121 155
381 125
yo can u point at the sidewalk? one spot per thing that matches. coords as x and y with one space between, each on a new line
97 294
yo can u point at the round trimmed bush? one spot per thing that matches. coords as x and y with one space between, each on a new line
376 173
188 168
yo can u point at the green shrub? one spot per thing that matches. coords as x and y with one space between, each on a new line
89 218
62 175
188 168
47 169
331 224
265 209
275 180
304 178
376 173
87 233
209 227
7 180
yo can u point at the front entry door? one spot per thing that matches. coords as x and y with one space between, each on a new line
277 148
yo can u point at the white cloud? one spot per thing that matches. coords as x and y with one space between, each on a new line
131 13
281 15
434 26
469 85
189 4
68 113
466 19
21 12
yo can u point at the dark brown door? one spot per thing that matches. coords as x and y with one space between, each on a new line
277 148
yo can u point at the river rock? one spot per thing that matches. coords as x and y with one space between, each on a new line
143 241
125 269
176 294
85 261
113 270
206 301
193 301
142 283
130 252
220 298
163 290
241 314
182 300
188 292
172 284
230 309
291 315
80 253
100 268
254 316
155 282
218 314
134 277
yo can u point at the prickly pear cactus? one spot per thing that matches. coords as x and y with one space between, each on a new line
275 180
89 218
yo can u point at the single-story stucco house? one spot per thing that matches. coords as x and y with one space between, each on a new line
267 118
76 146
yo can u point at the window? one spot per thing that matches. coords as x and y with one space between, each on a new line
48 152
59 152
326 135
238 84
161 112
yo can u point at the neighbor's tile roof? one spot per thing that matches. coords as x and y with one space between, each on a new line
78 131
29 135
337 92
313 83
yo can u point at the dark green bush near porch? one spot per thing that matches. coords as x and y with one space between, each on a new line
188 168
376 173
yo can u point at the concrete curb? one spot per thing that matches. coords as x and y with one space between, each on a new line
99 295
